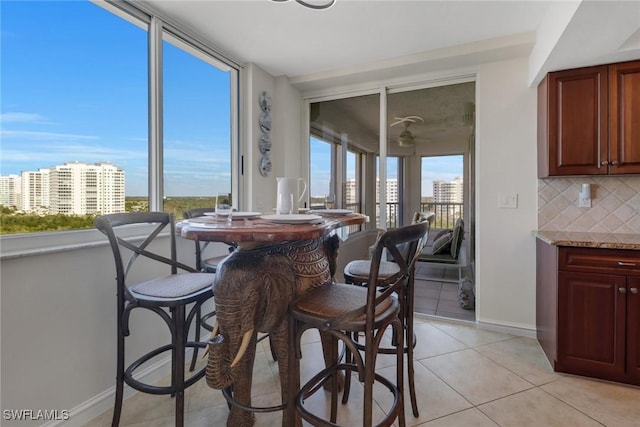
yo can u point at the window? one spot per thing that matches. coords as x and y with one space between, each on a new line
394 189
76 116
353 189
320 171
343 154
443 188
196 127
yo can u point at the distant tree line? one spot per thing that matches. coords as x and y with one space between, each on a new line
13 221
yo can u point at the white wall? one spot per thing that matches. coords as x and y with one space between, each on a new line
58 330
506 163
286 137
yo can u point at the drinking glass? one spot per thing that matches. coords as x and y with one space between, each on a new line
223 206
285 204
329 201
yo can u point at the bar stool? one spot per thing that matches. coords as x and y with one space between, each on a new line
344 311
357 272
168 296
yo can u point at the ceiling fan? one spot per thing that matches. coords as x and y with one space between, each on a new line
406 138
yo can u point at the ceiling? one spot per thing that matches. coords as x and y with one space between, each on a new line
383 40
290 39
389 38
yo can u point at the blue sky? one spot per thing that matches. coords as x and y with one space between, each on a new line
78 92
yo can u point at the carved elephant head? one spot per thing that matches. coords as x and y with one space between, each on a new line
252 294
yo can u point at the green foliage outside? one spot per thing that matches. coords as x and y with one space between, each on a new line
13 222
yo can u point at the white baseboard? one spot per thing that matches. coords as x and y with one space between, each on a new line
521 331
82 414
487 326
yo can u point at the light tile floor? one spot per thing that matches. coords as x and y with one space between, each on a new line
465 376
438 298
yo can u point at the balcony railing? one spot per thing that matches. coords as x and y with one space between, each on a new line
446 214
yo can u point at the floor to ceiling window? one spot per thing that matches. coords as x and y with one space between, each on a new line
342 161
320 182
394 191
76 116
443 188
196 126
420 160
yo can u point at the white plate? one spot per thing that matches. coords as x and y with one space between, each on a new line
203 225
291 219
237 215
333 212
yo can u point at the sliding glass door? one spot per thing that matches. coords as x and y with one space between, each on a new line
379 170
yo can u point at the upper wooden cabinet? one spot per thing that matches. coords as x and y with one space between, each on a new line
589 121
624 117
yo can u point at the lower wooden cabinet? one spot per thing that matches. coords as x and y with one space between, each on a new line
633 330
588 311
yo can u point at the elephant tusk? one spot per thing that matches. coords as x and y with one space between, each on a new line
214 332
243 347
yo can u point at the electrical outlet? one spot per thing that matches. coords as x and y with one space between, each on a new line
584 202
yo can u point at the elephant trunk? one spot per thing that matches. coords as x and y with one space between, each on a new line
220 373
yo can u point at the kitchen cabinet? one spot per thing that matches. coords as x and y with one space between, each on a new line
588 311
589 121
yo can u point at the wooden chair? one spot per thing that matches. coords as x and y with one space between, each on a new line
168 296
343 311
210 264
357 273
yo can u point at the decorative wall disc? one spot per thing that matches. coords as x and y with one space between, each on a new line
265 101
264 143
265 166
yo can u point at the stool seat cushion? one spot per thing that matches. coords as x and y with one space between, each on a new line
214 261
361 268
334 300
174 285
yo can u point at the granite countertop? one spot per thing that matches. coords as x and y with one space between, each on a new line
590 240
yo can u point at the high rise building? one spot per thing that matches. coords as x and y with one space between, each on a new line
448 191
10 191
35 191
392 190
74 188
81 188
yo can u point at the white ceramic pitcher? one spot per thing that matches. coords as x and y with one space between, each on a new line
288 186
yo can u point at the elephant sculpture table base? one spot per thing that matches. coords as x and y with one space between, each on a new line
253 290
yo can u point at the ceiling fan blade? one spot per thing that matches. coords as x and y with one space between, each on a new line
406 120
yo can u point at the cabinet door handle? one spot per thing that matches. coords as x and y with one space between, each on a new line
626 264
634 290
614 163
622 290
604 163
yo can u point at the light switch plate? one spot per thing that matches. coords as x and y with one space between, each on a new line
508 200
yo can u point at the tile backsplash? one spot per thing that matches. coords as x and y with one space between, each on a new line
615 204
